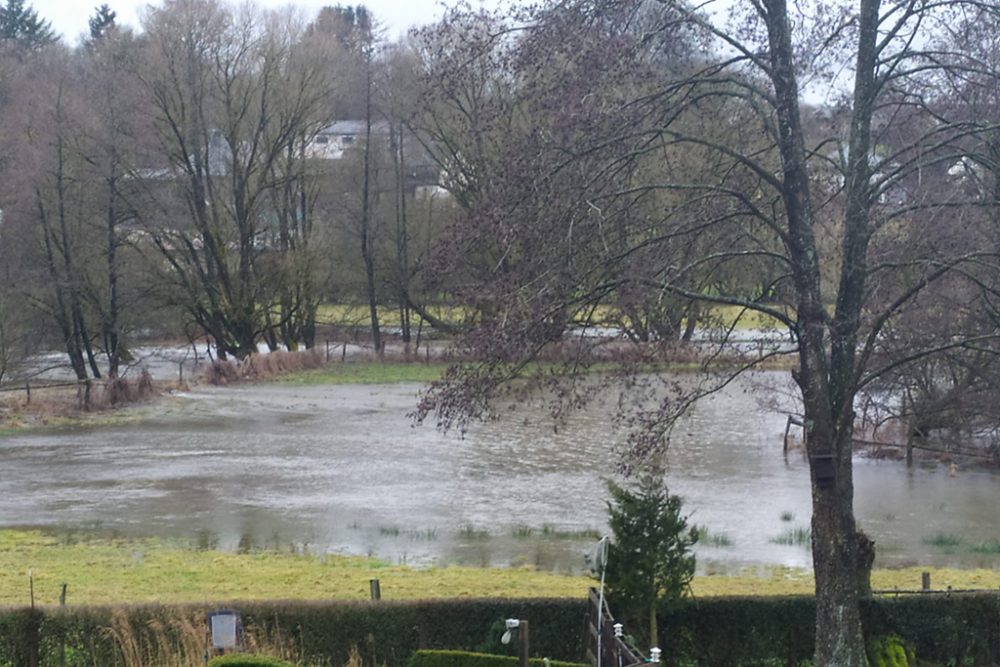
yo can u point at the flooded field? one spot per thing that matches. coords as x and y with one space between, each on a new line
342 468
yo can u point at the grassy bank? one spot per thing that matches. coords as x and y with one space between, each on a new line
357 315
368 372
106 570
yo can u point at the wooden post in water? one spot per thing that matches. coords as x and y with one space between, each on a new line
376 591
925 581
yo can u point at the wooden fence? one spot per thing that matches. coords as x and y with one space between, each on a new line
614 651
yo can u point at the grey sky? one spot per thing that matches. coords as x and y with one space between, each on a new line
69 17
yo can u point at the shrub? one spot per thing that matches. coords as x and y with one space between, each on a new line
711 632
650 559
247 660
469 659
889 652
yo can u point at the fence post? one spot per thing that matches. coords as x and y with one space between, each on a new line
523 636
27 389
375 588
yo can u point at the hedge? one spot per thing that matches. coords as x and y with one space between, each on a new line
470 659
320 633
955 629
714 632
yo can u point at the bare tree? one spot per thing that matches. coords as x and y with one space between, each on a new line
233 92
813 226
59 206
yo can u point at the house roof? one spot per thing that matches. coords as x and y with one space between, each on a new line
354 127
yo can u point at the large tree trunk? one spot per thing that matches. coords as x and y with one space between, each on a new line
825 377
839 637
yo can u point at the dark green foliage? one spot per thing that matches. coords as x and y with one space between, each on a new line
468 659
650 562
713 632
757 632
945 629
889 652
246 660
385 633
102 22
735 632
19 637
21 27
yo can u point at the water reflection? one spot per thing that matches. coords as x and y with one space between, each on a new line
341 469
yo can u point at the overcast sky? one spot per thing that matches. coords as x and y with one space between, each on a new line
69 17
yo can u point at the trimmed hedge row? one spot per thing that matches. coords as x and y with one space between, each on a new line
958 629
469 659
713 632
321 633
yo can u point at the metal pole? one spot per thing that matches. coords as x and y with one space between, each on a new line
600 619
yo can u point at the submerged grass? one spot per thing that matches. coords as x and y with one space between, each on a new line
554 532
116 571
708 538
470 532
943 540
992 547
794 536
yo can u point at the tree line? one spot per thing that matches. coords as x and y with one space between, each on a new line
221 173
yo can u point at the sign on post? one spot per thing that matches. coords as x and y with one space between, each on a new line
225 628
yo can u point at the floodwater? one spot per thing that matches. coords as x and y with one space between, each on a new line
343 469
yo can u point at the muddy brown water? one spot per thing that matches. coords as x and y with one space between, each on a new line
343 469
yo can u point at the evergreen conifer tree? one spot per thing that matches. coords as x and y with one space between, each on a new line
102 22
649 559
21 27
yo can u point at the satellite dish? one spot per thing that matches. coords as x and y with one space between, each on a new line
597 556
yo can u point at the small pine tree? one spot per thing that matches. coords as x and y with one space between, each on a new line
102 22
650 559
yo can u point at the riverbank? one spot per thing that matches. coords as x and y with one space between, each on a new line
61 405
105 570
